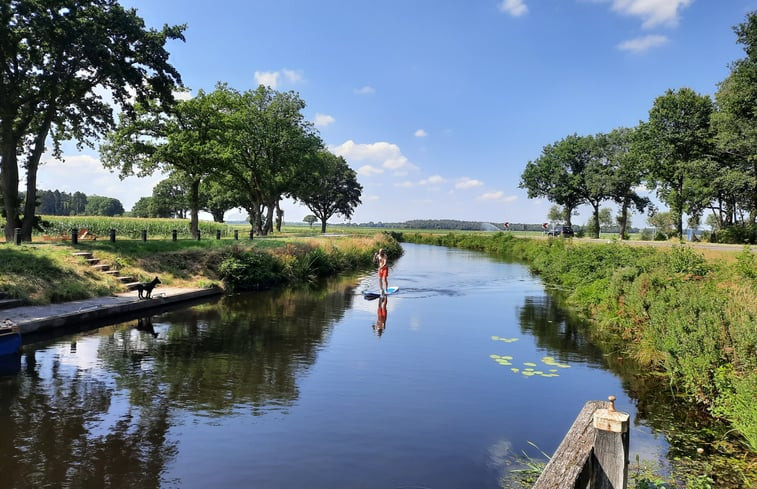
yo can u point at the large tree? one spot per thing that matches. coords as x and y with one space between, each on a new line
183 139
58 58
677 142
557 174
624 173
735 122
271 144
331 188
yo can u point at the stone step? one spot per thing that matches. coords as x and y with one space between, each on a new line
10 303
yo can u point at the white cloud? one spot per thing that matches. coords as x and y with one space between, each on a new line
323 120
405 184
383 154
432 180
516 8
271 78
465 183
643 44
182 95
420 133
653 12
292 76
498 196
267 78
365 90
369 170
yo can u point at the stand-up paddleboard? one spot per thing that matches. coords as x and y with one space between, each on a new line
375 295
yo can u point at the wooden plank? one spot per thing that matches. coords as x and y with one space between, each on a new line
567 467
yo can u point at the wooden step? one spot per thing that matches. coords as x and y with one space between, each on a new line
93 261
101 267
126 280
132 285
113 273
83 254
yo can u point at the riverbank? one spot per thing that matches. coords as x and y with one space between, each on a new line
673 312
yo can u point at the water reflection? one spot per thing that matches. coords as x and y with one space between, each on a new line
380 325
557 331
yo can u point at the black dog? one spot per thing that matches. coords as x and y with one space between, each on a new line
147 287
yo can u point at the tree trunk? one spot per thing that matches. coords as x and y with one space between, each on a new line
596 219
568 214
194 204
279 217
623 218
32 165
9 184
323 226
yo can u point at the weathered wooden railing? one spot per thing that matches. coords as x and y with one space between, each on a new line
594 452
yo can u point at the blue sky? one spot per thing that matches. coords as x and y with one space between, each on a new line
438 105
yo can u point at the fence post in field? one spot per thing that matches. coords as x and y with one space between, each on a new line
112 235
17 236
173 235
218 234
74 235
251 233
236 234
144 235
610 448
199 235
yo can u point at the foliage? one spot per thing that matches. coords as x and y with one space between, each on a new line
331 188
737 234
271 148
310 219
103 206
675 141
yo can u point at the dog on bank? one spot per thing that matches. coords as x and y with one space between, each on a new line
146 288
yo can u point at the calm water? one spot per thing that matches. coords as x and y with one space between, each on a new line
305 390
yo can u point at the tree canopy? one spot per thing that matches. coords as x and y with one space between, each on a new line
58 59
332 188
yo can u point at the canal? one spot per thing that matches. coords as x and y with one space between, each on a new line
471 364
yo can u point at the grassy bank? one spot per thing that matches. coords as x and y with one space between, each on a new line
670 310
43 273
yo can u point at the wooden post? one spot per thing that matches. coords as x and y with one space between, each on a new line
218 234
144 235
74 236
112 235
236 234
610 448
251 233
199 235
173 235
17 236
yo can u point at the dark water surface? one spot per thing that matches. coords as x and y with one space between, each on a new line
302 389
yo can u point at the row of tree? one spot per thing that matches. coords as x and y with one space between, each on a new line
698 154
57 203
227 149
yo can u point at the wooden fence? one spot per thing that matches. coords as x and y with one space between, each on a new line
594 452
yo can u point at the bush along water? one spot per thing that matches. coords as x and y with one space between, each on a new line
669 310
301 262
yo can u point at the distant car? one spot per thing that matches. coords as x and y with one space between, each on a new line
564 231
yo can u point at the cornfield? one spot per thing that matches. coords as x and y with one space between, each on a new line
55 227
